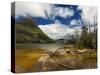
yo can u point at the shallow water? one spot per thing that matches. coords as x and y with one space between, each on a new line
74 62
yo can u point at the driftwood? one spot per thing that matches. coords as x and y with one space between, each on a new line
57 50
44 60
61 64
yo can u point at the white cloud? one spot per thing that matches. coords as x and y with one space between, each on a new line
38 10
88 13
63 12
75 22
56 30
34 9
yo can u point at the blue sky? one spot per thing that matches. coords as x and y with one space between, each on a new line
57 20
66 20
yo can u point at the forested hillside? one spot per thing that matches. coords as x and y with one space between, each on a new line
28 32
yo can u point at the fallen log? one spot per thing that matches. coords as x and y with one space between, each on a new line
61 64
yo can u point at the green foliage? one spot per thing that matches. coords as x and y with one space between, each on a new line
84 38
87 39
28 32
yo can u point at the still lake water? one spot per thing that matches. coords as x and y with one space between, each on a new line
50 47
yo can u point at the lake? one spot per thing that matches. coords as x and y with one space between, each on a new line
50 47
27 56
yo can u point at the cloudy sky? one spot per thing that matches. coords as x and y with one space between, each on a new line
57 20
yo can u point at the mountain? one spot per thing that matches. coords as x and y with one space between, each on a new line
28 32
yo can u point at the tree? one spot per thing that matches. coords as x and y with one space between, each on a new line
83 40
76 37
